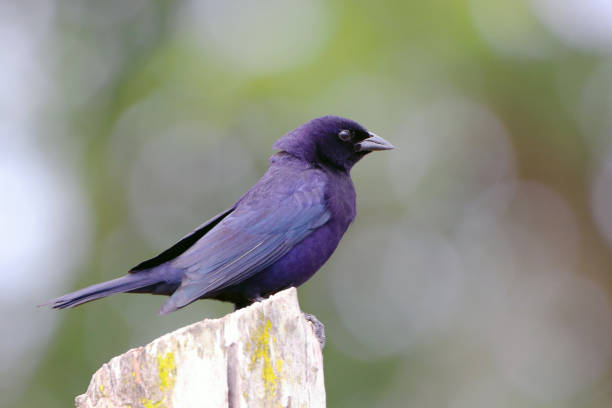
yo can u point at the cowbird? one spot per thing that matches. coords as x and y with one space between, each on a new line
275 236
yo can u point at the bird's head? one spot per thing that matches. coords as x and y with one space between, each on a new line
332 141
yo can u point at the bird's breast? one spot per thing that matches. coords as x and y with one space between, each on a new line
341 200
303 260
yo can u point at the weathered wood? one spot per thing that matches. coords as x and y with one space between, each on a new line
265 355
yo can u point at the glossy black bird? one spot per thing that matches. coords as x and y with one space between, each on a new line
275 236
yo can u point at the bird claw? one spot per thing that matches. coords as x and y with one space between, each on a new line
319 328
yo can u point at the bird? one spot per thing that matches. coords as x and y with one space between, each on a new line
276 236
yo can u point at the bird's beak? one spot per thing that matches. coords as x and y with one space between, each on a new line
372 143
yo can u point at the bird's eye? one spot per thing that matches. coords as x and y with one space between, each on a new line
345 135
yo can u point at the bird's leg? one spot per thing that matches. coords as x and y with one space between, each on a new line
319 328
245 303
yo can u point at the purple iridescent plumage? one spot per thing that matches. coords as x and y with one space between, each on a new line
276 236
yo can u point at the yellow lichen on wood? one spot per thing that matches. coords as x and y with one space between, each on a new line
166 369
147 403
260 350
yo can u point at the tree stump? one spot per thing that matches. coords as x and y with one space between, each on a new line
265 355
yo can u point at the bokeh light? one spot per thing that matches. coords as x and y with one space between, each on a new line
585 24
419 298
511 29
247 44
451 151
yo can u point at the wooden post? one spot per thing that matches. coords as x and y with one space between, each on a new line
265 355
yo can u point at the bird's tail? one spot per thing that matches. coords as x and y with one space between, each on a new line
123 284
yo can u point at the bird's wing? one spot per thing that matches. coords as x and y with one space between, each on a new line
184 244
266 224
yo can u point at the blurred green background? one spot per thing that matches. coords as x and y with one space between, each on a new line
478 272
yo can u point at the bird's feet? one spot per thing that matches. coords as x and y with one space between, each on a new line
319 328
